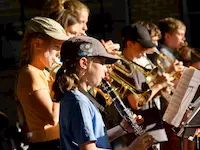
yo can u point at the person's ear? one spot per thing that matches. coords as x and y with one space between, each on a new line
167 36
83 62
37 43
130 44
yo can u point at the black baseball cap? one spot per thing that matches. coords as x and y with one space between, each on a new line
138 33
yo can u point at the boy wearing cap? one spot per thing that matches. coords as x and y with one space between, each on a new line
41 46
136 41
81 124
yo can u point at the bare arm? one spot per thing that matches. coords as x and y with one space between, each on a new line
142 142
42 102
112 48
115 132
92 146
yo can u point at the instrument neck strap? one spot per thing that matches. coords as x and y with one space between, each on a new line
93 100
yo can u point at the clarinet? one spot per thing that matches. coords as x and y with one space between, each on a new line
126 113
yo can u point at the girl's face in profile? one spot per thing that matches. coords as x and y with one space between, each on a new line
51 51
83 19
96 71
73 30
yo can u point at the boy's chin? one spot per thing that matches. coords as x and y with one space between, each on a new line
98 84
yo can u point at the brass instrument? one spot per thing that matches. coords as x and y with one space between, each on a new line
54 69
150 74
195 53
162 57
122 87
106 96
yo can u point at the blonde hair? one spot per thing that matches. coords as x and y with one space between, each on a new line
170 25
64 17
66 78
27 50
76 7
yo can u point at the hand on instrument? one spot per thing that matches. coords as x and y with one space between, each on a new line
163 81
125 125
112 48
178 66
185 53
142 142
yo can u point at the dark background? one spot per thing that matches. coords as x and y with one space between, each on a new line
107 18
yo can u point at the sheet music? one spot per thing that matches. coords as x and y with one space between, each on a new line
182 97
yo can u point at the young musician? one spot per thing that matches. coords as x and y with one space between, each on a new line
136 41
71 25
73 19
81 11
67 20
173 38
145 61
81 126
41 47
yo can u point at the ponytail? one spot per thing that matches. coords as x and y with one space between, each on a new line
64 82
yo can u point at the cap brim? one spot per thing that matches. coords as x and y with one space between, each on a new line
110 59
58 36
147 44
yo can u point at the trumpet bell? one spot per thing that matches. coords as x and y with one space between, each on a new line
151 76
124 88
120 78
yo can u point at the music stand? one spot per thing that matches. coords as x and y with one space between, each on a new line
188 129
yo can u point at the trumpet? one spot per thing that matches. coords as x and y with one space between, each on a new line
150 74
118 74
54 69
195 53
123 88
192 51
160 59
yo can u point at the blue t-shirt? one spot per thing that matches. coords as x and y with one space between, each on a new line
168 52
80 122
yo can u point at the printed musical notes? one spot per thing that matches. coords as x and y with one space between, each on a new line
182 97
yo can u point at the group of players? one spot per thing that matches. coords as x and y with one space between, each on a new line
57 106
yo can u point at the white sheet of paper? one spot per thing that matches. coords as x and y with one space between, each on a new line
159 135
182 97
